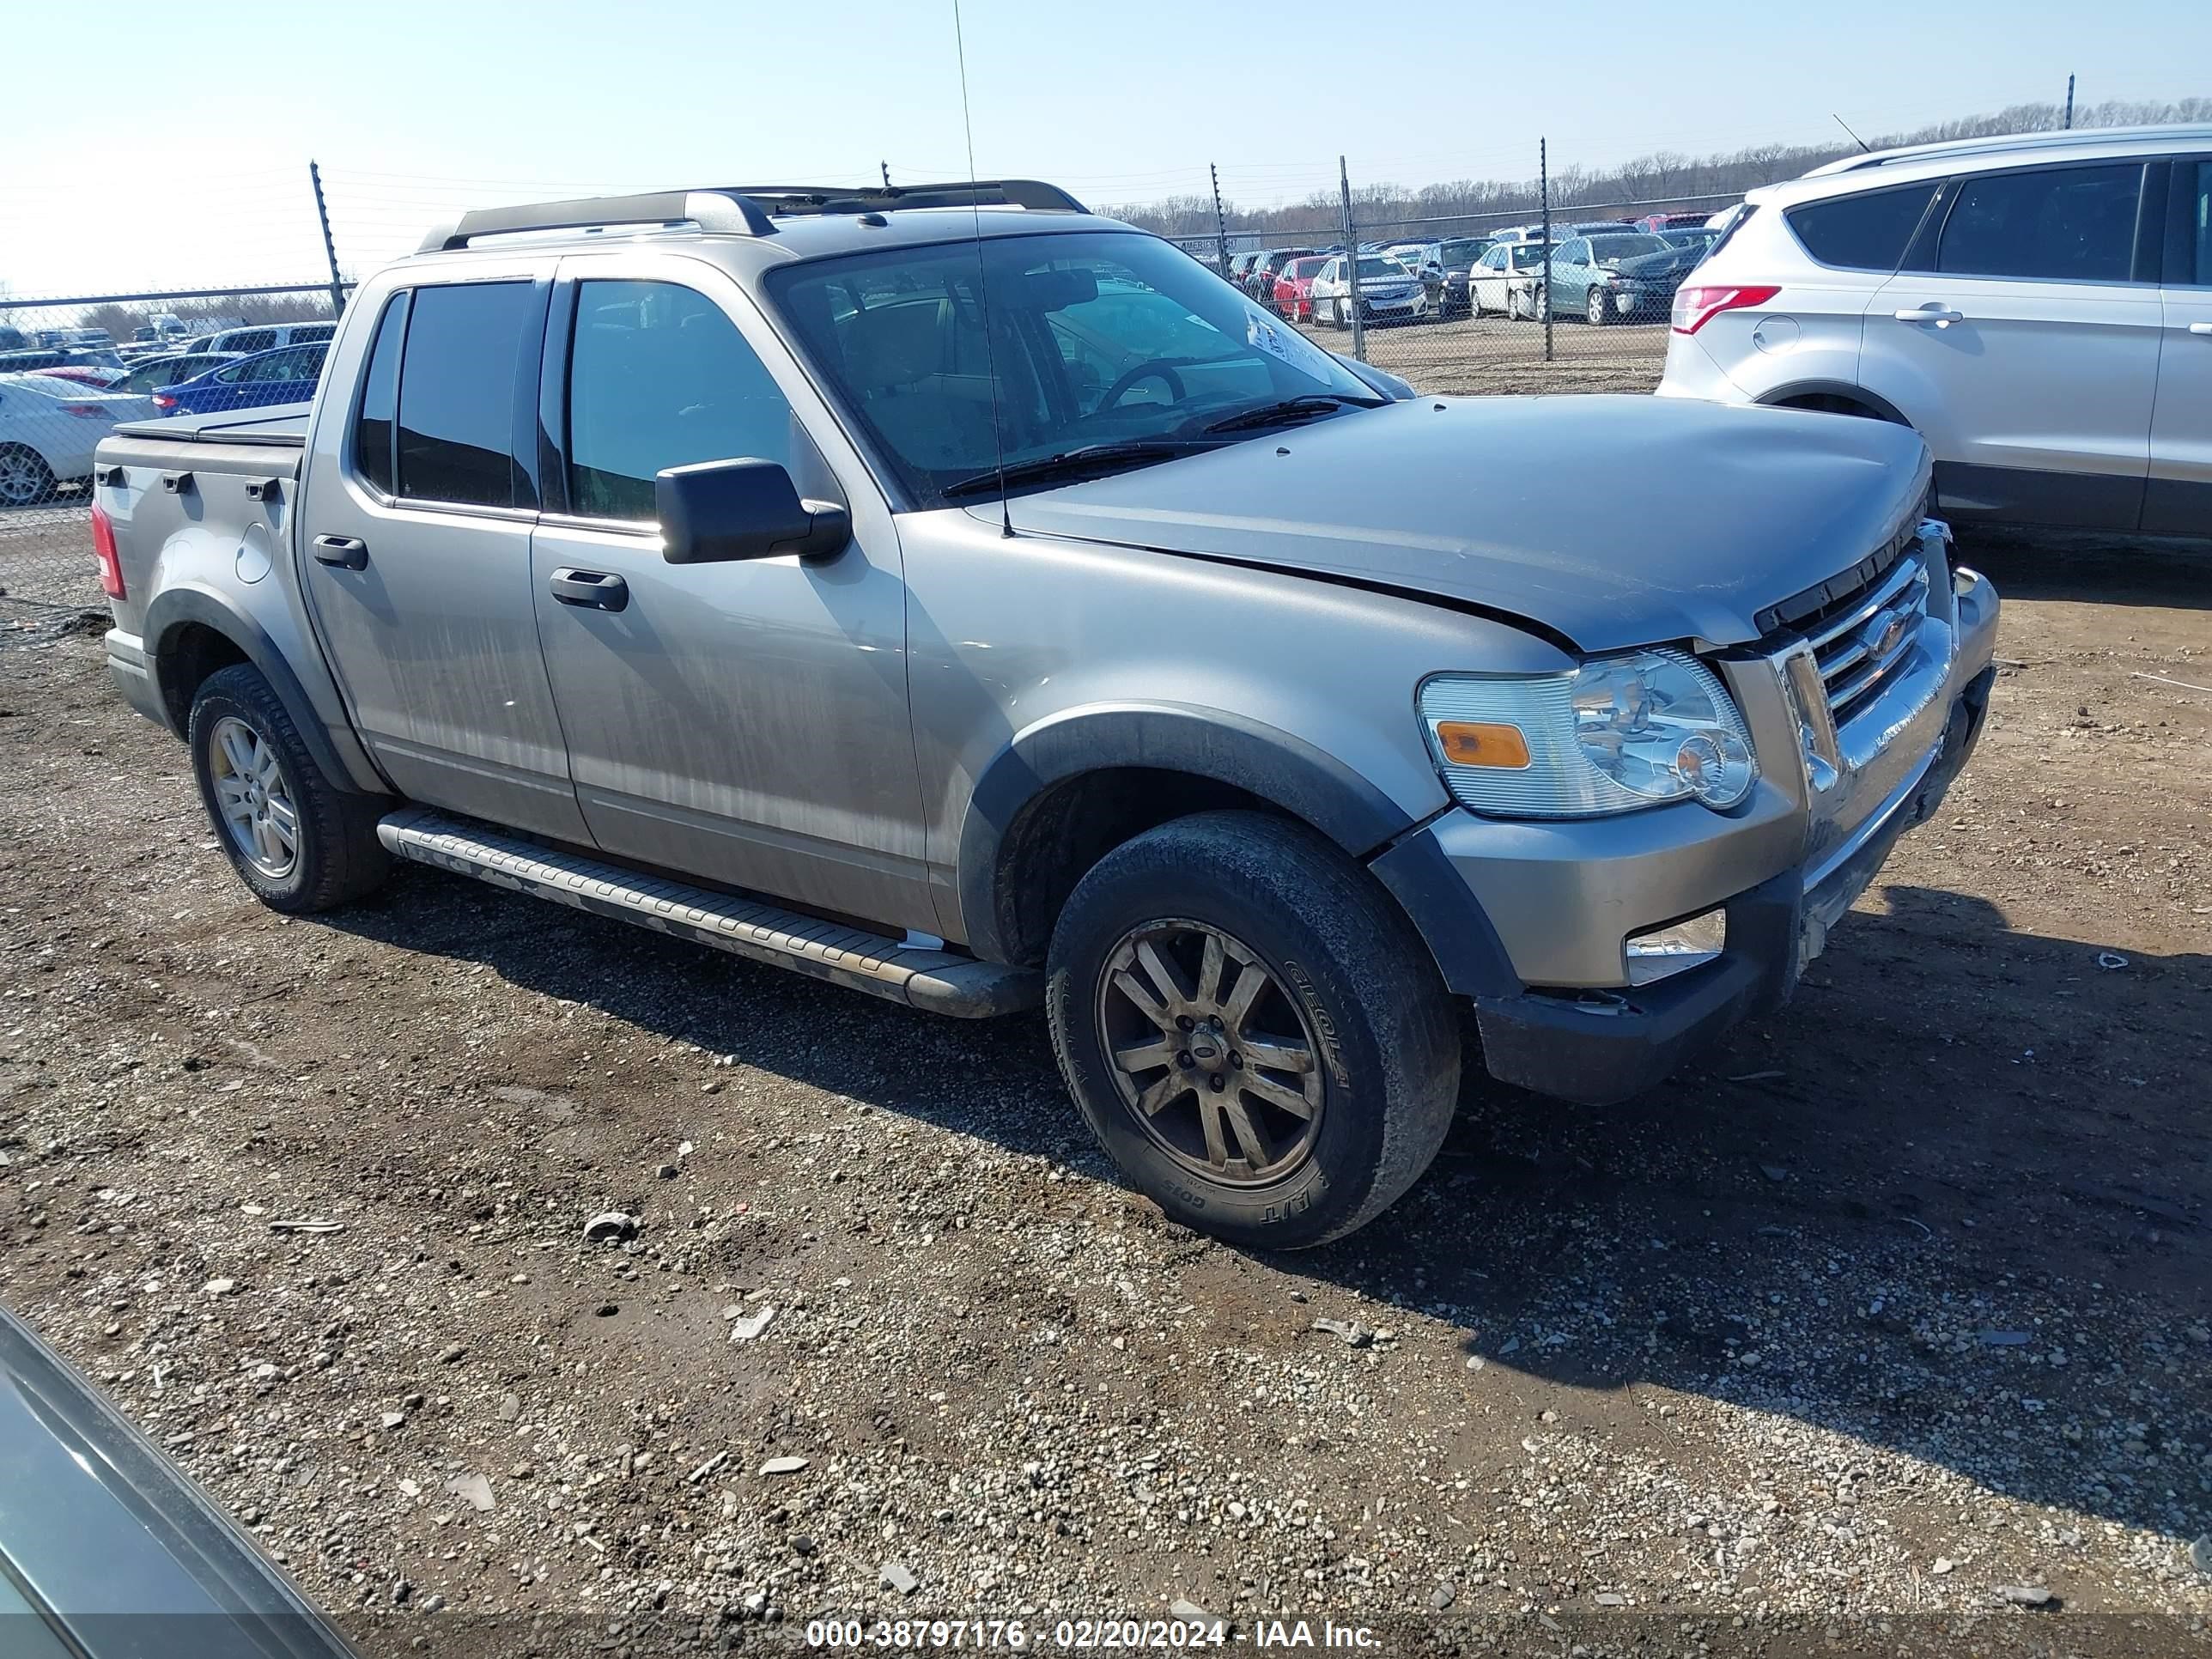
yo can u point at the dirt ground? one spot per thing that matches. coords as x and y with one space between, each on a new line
1493 354
1866 1333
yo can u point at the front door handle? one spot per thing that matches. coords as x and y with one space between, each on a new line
1942 316
2200 328
346 552
594 590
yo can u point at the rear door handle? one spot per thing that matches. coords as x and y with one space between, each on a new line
346 552
594 590
2200 328
1942 316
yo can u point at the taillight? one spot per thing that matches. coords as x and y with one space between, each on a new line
103 549
163 400
1695 306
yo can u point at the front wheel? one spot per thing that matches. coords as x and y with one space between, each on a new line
1594 308
300 843
1252 1028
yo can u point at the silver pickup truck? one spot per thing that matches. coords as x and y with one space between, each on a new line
968 600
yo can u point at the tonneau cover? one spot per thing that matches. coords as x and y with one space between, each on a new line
283 426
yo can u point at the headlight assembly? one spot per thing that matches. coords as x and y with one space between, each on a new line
1618 733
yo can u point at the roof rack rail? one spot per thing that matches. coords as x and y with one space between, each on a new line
710 209
744 210
2182 135
1031 193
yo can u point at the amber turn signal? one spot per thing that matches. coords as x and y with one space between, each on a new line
1479 743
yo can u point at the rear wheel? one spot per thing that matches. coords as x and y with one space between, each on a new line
300 843
1252 1030
25 478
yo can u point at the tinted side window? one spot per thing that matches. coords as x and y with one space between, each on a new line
379 399
659 377
2066 224
457 392
1867 232
2199 205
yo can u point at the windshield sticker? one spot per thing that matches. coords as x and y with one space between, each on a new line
1261 332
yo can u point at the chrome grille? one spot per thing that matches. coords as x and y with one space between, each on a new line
1860 640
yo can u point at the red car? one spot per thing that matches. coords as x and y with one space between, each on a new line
90 374
1294 287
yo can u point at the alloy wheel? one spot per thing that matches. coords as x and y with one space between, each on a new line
1211 1051
23 479
254 797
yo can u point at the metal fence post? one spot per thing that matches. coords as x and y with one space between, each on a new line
1220 219
1352 265
1543 291
330 247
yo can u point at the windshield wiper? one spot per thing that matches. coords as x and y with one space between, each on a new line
1091 458
1291 409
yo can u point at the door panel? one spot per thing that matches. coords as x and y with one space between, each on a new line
2179 501
744 722
425 606
2027 348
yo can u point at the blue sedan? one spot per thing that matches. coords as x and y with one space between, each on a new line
286 375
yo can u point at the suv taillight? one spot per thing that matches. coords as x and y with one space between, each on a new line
103 549
163 400
1695 306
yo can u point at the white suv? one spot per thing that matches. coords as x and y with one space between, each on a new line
2040 308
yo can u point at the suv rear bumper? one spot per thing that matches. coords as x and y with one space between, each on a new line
1600 1047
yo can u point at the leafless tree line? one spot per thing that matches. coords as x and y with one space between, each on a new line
1660 176
201 316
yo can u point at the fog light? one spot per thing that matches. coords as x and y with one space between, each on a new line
1677 947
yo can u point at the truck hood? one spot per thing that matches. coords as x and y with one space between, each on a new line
1613 521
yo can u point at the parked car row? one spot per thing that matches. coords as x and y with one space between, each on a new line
1603 271
52 414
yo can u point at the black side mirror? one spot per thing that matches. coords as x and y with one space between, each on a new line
715 511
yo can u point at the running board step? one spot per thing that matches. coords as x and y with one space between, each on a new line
937 980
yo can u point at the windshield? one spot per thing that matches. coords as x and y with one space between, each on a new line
1461 253
1624 247
1382 271
1302 269
1094 338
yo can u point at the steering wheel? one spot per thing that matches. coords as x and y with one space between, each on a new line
1142 371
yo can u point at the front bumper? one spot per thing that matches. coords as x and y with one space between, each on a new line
1530 919
1600 1047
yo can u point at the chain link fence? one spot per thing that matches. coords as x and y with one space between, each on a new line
1574 297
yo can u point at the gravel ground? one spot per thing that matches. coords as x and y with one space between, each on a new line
1892 1307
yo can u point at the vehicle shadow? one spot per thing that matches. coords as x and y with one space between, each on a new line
2091 567
1954 1200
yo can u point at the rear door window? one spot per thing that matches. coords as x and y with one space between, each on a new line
379 400
2055 224
1866 232
660 377
457 392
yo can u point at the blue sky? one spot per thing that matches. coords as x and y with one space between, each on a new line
179 158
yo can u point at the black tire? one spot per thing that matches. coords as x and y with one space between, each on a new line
1346 967
336 857
1594 308
26 480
